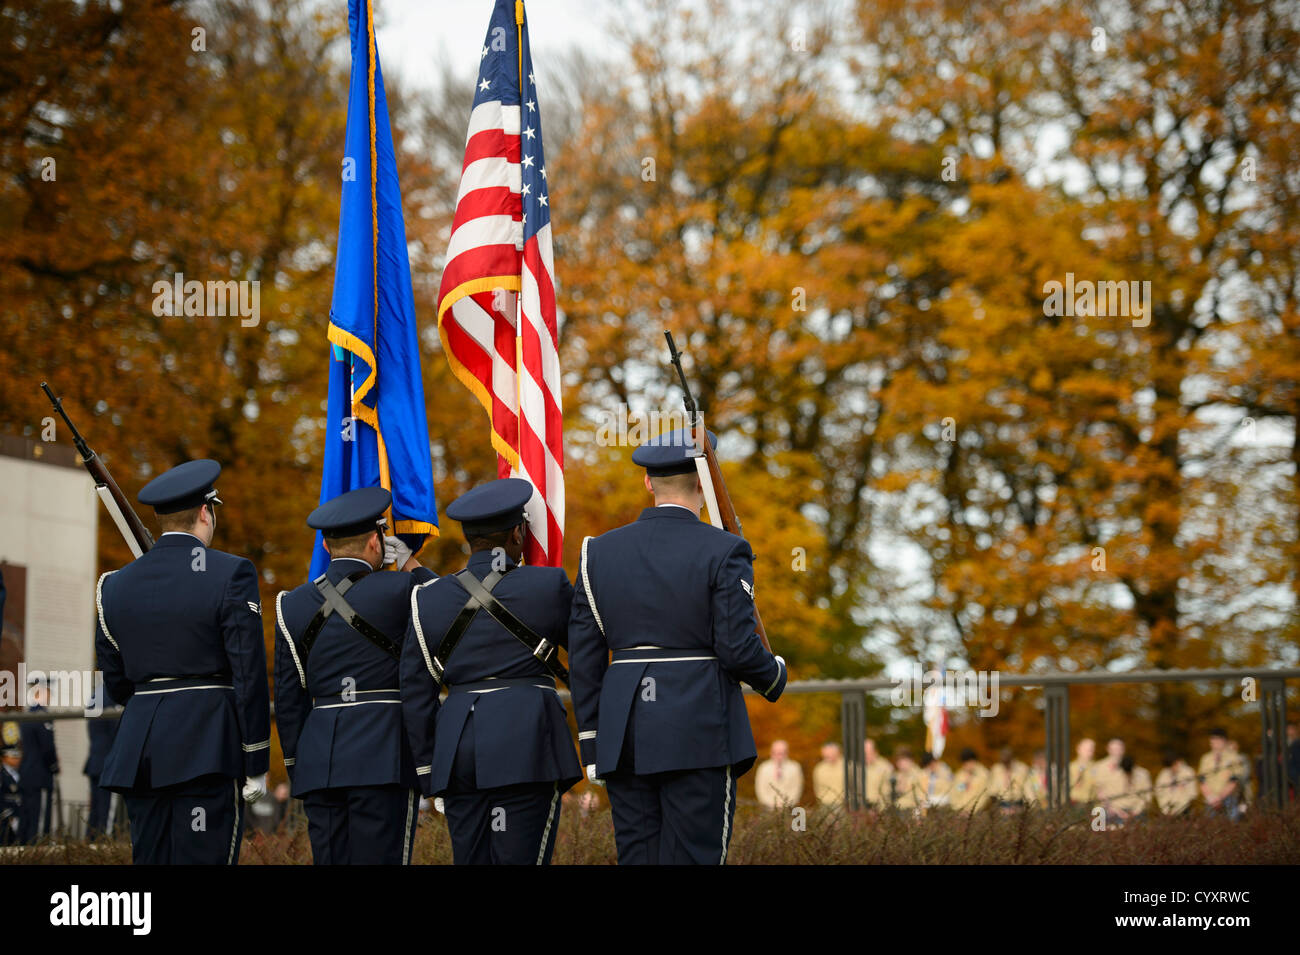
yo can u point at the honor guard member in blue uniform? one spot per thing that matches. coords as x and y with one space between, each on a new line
103 802
39 766
11 794
664 723
337 701
498 751
180 644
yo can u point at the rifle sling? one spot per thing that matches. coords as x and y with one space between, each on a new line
481 598
334 603
442 652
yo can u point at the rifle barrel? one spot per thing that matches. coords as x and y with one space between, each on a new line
687 398
77 439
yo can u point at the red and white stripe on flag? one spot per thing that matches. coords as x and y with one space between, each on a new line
496 302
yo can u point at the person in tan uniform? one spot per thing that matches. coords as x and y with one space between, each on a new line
1125 792
933 783
1083 785
828 776
1219 772
904 781
1007 781
880 777
1036 782
778 783
1105 772
970 786
1175 785
1245 778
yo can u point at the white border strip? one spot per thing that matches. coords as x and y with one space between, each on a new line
550 820
182 689
726 816
335 706
665 660
234 833
410 829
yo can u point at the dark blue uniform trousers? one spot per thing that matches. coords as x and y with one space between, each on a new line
362 825
36 815
681 817
199 822
505 825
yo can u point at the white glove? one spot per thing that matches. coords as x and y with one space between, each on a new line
439 805
254 788
395 552
591 775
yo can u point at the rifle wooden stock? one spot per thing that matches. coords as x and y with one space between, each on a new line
726 510
726 515
126 519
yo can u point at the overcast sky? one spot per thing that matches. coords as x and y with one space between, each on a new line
417 34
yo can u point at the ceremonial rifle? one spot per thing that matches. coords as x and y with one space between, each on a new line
124 516
721 510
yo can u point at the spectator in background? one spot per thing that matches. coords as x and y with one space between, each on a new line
1175 785
1105 772
1007 781
1083 780
1245 777
903 783
1218 772
880 777
970 787
103 804
11 794
828 776
38 768
1125 792
934 782
1036 782
779 781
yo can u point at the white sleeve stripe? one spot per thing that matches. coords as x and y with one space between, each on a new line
279 619
254 747
290 760
587 734
424 770
779 667
99 608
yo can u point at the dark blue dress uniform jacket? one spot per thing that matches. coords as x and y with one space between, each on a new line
182 610
673 582
521 733
353 735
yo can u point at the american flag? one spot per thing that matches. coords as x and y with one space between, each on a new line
496 304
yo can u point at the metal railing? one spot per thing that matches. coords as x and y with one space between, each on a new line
1056 688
